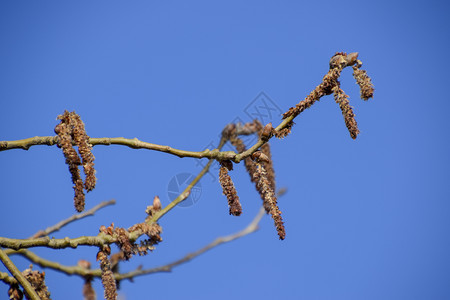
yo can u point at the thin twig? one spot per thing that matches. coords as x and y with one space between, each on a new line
72 218
18 275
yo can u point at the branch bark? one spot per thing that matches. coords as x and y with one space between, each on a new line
18 275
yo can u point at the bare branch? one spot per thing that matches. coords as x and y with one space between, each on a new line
75 217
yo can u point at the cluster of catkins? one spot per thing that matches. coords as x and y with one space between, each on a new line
259 164
260 168
331 85
71 132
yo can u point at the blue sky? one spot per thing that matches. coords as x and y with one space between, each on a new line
365 218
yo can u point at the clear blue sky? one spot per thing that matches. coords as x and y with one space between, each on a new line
365 219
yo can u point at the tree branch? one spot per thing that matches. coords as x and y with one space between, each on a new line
18 275
25 144
100 240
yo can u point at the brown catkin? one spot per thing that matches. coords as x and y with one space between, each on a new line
364 82
240 146
88 290
229 191
268 165
269 199
349 117
85 149
108 281
79 199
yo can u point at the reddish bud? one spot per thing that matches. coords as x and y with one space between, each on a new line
84 264
101 255
261 157
227 164
58 128
106 249
156 204
103 229
351 58
110 229
267 132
